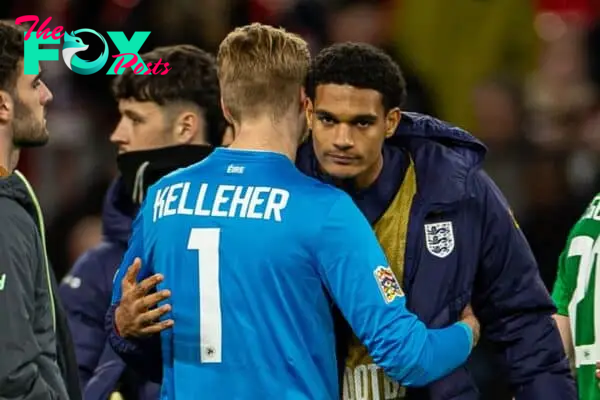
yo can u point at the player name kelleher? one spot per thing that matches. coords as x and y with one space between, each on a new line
229 201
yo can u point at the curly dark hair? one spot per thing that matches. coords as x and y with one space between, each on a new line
12 52
360 65
192 78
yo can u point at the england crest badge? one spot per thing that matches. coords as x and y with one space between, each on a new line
440 238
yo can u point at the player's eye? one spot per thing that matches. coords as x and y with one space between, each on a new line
363 124
36 84
326 120
135 120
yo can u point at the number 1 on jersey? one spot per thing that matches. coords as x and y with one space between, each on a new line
206 242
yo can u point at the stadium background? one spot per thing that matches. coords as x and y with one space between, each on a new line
521 75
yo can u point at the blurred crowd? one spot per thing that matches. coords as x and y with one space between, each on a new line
521 75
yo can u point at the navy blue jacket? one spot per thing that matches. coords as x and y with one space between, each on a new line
490 264
86 292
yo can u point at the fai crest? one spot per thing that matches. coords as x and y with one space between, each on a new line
439 238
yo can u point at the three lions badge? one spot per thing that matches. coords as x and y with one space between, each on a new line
439 238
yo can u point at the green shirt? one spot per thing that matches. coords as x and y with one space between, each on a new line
577 295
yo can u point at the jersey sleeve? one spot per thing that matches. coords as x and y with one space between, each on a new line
355 271
136 248
563 289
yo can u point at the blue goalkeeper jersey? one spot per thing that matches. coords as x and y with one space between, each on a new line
255 253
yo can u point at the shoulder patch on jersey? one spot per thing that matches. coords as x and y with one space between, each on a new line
388 284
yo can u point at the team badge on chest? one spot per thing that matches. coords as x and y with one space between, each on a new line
440 238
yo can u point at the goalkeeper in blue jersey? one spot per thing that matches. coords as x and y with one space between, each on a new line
251 319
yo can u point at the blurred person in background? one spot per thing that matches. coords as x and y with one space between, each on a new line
587 172
560 173
37 359
453 46
167 122
447 230
551 207
499 123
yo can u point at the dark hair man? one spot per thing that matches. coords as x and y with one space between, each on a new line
37 360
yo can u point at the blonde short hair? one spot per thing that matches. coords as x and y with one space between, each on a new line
261 69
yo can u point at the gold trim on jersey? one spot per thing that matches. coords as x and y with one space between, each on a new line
362 377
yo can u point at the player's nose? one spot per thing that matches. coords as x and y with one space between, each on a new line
119 135
46 95
343 137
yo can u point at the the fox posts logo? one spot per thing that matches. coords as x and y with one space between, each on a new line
128 56
73 45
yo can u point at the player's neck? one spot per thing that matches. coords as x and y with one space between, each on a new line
266 135
369 176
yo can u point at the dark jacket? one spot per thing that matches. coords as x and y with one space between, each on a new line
487 262
36 352
86 292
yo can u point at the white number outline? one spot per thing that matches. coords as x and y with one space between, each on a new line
205 241
588 251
